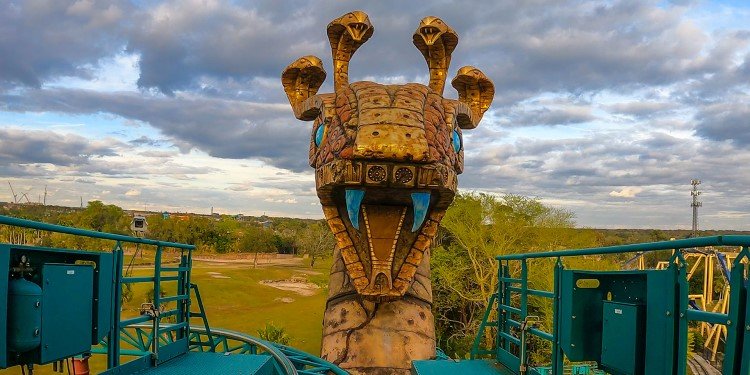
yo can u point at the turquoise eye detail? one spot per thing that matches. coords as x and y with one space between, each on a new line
319 135
456 141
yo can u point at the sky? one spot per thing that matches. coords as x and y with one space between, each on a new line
604 108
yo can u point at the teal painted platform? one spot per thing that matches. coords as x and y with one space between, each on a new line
196 363
483 367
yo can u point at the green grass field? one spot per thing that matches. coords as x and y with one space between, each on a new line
235 299
242 304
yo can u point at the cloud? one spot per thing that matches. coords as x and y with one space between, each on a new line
223 128
551 116
626 192
133 193
19 146
145 141
641 109
727 121
51 38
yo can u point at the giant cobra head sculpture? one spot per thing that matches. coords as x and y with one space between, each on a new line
386 157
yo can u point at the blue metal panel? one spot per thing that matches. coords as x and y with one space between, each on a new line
66 310
103 283
172 350
622 332
103 278
660 322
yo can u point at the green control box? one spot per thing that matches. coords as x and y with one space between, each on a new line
622 338
67 305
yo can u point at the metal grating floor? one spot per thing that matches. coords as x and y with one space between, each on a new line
442 367
197 363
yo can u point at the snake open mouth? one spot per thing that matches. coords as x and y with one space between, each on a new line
357 30
430 34
383 226
384 216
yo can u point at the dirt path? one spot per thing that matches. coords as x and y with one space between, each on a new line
261 262
300 287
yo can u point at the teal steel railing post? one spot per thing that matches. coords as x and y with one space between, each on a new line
734 350
113 338
500 317
745 353
506 302
682 306
557 353
524 290
181 277
157 302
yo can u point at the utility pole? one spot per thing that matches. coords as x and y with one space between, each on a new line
695 204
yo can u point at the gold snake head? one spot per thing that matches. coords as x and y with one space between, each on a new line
386 157
431 29
356 24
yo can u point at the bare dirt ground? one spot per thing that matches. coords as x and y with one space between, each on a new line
297 285
218 275
262 261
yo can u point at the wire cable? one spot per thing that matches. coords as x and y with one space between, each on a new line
132 260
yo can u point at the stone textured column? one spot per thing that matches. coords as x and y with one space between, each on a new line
366 337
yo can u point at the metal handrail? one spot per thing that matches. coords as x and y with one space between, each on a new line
727 240
14 221
279 352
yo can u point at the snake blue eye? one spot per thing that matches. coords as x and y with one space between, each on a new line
319 135
456 141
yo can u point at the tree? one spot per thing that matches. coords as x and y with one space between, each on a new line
476 229
316 240
104 218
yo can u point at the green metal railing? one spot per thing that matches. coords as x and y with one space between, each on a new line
180 274
508 308
23 223
152 341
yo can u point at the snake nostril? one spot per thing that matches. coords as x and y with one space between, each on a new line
375 133
408 135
